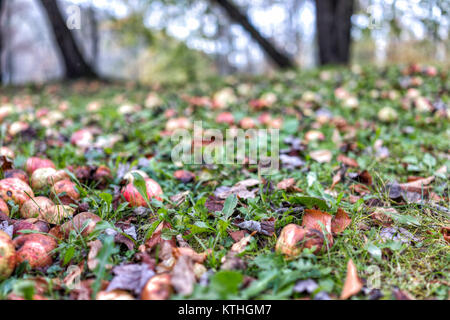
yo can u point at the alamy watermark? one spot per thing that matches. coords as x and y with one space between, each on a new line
233 147
73 21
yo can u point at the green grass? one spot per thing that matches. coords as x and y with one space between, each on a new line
421 269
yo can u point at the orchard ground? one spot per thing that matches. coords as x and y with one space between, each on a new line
366 148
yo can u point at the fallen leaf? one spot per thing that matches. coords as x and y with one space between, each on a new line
237 235
321 156
183 276
179 198
352 284
184 176
338 177
316 219
196 257
397 234
340 221
239 189
286 184
381 216
131 277
401 295
156 236
362 177
308 286
73 275
419 186
95 247
266 227
347 161
446 233
239 246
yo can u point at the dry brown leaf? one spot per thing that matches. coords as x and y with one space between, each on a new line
336 179
184 176
196 257
340 222
156 236
214 204
380 217
286 184
314 218
183 275
321 156
352 284
73 275
418 186
237 235
446 233
95 247
347 161
239 246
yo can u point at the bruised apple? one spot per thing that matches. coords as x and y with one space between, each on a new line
225 117
78 222
65 189
44 177
7 152
114 295
30 224
58 213
130 177
4 207
7 256
290 239
35 163
17 173
16 190
247 123
134 198
159 287
36 249
82 138
36 207
294 238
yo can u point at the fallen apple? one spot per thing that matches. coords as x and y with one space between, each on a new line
129 177
65 190
135 199
30 224
35 163
7 256
36 249
17 173
16 190
44 177
79 221
4 207
36 207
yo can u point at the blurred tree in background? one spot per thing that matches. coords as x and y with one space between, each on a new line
160 41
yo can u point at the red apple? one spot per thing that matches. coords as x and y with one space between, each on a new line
36 249
225 117
7 256
16 190
35 163
132 195
17 173
68 188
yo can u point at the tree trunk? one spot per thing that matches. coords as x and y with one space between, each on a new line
94 35
333 19
279 58
74 62
1 40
